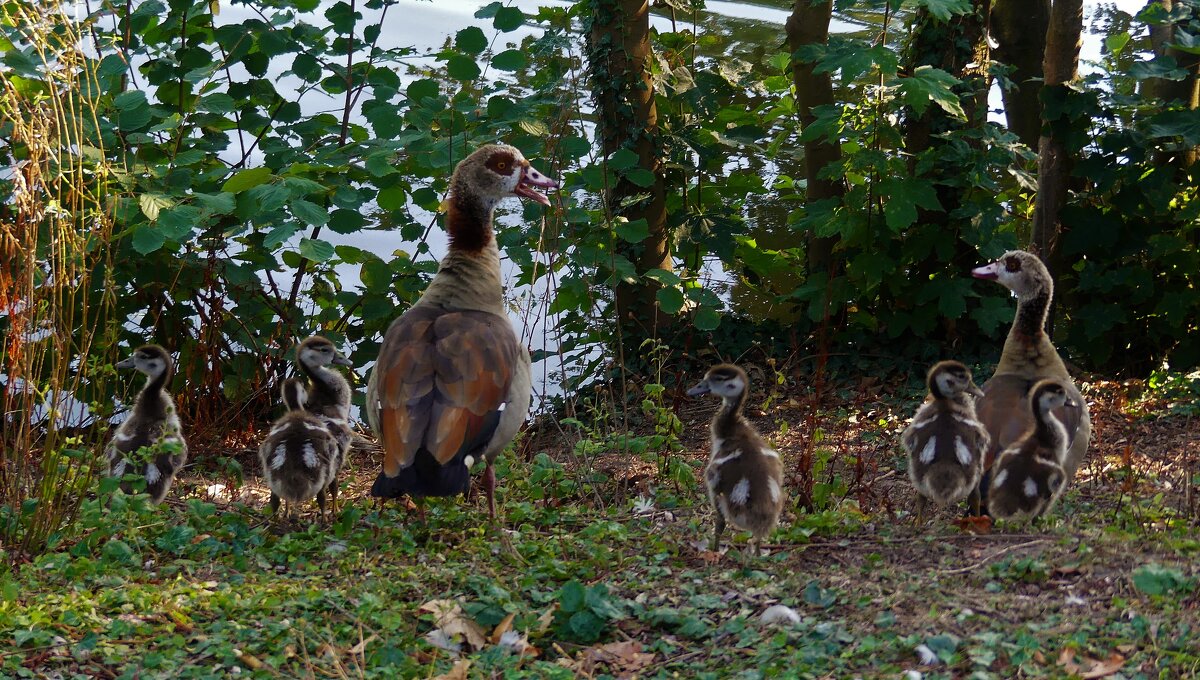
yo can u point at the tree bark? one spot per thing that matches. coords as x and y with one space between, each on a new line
1061 66
1019 28
1185 92
808 24
620 58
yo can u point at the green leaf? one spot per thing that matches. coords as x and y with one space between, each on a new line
392 198
1116 43
116 551
246 179
641 177
508 19
133 111
345 221
633 232
306 67
1178 123
945 9
178 222
308 212
664 277
316 249
470 40
904 195
460 67
817 596
509 60
147 239
928 84
585 626
572 596
622 160
600 603
1155 579
279 235
706 319
152 204
670 300
219 204
217 102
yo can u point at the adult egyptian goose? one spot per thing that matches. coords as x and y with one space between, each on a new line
300 457
1027 358
945 441
327 392
151 438
1028 476
451 386
744 476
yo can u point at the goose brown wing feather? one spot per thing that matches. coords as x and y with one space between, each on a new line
446 371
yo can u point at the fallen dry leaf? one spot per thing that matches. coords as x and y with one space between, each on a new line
249 660
502 628
545 620
1090 669
361 647
622 658
975 525
448 615
459 672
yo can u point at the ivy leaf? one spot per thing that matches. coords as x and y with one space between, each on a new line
928 84
633 232
316 249
246 179
572 596
508 19
945 9
670 300
147 239
309 212
509 60
585 626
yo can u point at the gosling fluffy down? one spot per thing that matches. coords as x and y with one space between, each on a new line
1029 476
300 457
744 475
945 441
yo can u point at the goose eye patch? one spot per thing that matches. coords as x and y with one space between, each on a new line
1012 264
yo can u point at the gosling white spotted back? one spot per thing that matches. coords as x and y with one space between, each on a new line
300 457
1030 476
150 441
945 441
744 474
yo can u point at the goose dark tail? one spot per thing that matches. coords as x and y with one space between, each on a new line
425 477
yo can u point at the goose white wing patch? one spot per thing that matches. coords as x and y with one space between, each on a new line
927 452
152 473
741 492
280 457
774 490
1030 487
718 462
962 451
310 455
1000 478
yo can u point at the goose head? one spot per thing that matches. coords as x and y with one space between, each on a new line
151 360
496 171
319 352
948 379
724 380
1048 395
1021 272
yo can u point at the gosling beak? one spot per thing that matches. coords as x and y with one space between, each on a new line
991 272
974 389
531 178
1070 403
340 360
126 363
700 388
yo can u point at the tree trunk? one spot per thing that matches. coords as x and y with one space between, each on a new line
1184 92
620 58
808 25
1019 27
1061 66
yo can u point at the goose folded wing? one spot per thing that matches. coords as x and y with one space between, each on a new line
444 385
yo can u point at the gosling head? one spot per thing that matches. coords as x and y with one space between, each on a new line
496 171
318 352
1048 395
948 379
724 380
1021 272
151 360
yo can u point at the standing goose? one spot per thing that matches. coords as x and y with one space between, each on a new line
1028 476
945 442
300 458
1028 357
744 475
451 385
153 424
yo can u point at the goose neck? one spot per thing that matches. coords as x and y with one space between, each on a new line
1030 320
469 219
730 414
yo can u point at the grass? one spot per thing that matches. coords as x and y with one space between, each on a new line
1107 587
